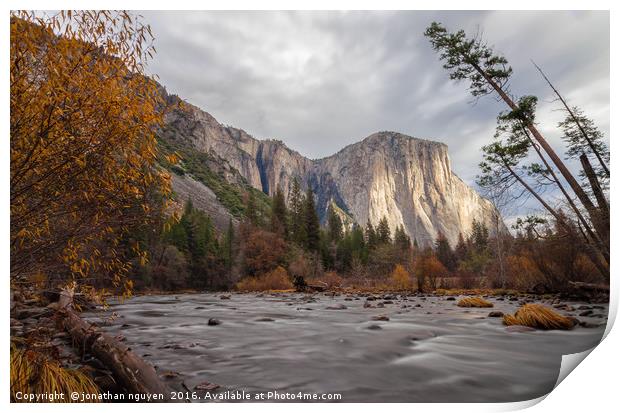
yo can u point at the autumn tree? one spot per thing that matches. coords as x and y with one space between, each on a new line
83 148
428 270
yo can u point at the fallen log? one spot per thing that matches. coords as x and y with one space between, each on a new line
130 371
588 286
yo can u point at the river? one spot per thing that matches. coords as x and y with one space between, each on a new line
429 350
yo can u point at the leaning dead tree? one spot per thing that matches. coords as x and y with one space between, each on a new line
129 370
488 73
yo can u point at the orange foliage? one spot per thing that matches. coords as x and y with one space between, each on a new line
400 278
429 268
277 279
83 147
263 251
332 279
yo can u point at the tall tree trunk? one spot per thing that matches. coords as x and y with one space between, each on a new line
572 115
598 242
568 176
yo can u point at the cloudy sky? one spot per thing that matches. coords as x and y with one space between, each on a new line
322 80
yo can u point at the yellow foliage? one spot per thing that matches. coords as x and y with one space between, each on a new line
277 279
523 272
538 316
400 278
83 148
474 302
33 373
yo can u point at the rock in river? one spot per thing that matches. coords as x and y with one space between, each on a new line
336 307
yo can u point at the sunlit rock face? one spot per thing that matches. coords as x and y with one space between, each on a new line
405 179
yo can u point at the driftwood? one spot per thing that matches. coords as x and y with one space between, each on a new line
318 286
588 286
130 371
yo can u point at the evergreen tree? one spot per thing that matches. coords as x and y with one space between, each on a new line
279 214
251 209
334 225
461 251
384 235
401 239
444 252
296 200
359 249
311 223
371 235
227 246
479 236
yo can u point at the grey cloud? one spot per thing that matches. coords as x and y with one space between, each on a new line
322 80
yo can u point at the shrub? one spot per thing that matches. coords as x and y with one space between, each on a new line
332 279
400 278
538 316
474 302
276 279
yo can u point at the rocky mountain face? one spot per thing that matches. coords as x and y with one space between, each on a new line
407 180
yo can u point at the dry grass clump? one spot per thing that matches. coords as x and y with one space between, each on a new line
474 302
538 316
277 279
34 373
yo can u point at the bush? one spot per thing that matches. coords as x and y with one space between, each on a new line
400 278
330 279
277 279
429 268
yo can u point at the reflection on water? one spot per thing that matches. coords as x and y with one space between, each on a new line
430 350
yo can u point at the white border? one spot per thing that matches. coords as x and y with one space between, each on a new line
591 387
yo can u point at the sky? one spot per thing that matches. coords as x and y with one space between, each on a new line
322 80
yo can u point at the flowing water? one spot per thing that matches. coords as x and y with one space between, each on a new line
429 350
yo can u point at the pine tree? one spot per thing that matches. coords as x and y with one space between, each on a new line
371 235
279 214
479 236
251 210
444 252
384 235
401 239
334 225
359 249
311 223
296 200
227 246
461 251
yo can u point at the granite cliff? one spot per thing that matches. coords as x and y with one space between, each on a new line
407 180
